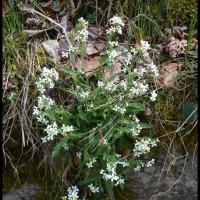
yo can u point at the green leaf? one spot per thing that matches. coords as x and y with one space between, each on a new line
90 179
189 110
145 125
139 106
109 188
58 147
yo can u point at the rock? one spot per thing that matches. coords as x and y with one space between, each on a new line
26 192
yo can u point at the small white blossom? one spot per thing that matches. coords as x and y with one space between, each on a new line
90 164
65 54
144 45
153 96
93 189
116 20
150 163
72 193
66 129
84 94
100 84
113 43
79 154
110 86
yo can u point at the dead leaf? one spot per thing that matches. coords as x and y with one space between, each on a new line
88 65
167 74
100 45
117 67
95 30
33 21
33 32
51 47
90 49
176 47
179 32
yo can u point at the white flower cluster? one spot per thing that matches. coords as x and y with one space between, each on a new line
151 66
144 146
145 46
140 71
150 163
100 84
119 109
66 129
39 115
153 69
82 34
113 43
51 130
123 85
136 130
143 164
90 164
43 104
116 25
72 193
111 86
111 174
46 79
112 55
139 166
139 88
93 189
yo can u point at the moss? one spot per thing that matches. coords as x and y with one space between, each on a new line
182 10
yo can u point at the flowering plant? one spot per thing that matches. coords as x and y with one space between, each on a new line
100 134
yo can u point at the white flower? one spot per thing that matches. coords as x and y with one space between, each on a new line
123 84
150 163
45 102
143 146
144 45
46 79
116 20
90 164
113 43
82 34
153 96
139 88
84 94
116 25
100 84
140 71
112 55
93 189
127 58
134 51
66 129
65 54
119 109
153 69
83 22
72 193
51 130
110 86
110 173
79 154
